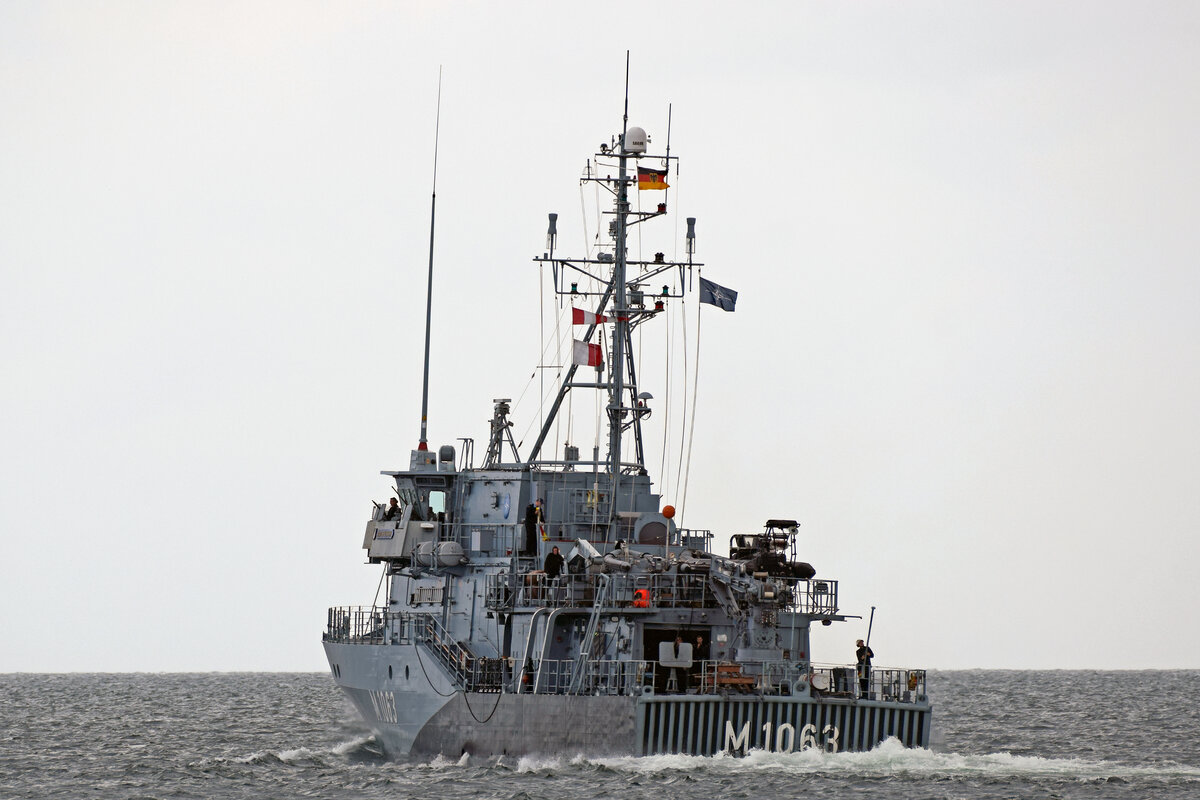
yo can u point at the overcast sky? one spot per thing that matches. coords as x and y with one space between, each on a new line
966 351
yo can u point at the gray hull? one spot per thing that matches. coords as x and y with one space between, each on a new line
417 712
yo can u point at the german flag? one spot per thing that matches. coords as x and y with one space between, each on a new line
652 178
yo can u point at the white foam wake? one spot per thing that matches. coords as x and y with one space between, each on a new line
892 758
301 754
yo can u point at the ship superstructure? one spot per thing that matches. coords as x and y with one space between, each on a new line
643 639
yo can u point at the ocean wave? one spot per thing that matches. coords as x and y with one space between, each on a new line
893 759
357 746
441 762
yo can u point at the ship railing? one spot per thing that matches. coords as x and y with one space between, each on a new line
904 685
535 589
503 539
588 506
894 684
607 676
497 539
696 539
711 676
377 625
367 625
785 677
453 656
471 673
816 597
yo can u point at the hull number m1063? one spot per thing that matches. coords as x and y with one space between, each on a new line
784 740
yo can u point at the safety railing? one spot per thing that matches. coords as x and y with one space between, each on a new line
696 539
367 625
506 590
453 656
498 540
554 676
891 684
534 588
817 597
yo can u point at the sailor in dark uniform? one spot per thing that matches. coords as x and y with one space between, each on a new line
864 654
554 563
531 522
393 511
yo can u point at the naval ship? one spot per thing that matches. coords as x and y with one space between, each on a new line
553 604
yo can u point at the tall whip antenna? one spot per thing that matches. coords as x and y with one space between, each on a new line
437 128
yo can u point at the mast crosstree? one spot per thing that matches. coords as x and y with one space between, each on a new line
619 299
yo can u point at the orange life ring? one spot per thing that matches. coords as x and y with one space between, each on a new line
641 598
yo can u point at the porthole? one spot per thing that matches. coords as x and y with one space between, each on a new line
389 672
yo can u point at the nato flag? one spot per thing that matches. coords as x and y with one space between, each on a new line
717 295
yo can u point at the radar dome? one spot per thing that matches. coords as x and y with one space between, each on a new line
635 140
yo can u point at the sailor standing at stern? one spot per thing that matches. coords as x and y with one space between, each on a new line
864 654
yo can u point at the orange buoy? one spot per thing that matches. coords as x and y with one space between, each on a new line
668 512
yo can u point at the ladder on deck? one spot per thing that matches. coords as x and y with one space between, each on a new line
452 655
585 646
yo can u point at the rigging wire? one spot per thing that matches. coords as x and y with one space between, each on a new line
558 361
662 465
541 340
692 428
663 469
683 405
536 370
554 388
417 650
379 586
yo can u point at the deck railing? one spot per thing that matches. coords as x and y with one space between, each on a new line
377 625
554 676
534 589
891 683
367 625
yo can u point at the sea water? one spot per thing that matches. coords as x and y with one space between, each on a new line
998 734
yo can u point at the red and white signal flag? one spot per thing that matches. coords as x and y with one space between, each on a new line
581 317
587 355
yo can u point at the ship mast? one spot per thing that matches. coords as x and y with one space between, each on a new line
622 303
616 372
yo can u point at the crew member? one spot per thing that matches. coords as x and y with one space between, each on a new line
540 512
864 654
531 522
680 674
393 510
554 563
699 656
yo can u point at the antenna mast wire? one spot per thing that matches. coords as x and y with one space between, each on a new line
437 129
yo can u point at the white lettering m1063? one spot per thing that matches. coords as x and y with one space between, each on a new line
784 740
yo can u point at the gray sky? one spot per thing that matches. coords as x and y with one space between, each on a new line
966 354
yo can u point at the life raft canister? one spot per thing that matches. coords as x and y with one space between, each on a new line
912 681
641 598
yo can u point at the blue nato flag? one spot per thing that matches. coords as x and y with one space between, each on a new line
717 295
